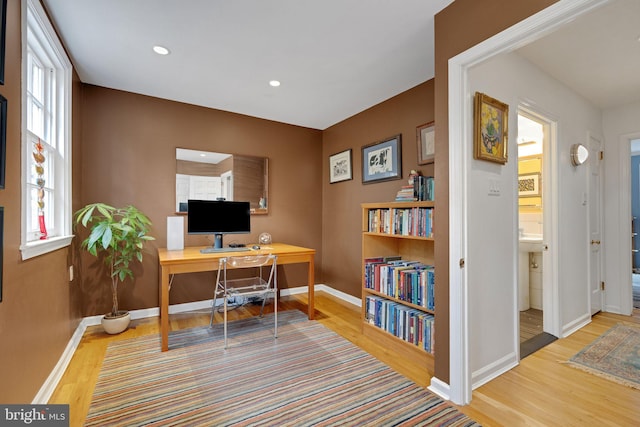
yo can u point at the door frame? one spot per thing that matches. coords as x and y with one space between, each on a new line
624 166
460 115
550 215
596 162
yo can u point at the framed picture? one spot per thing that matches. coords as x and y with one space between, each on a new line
425 137
1 247
3 32
382 161
340 167
3 138
490 129
529 185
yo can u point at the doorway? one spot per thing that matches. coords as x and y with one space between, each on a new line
533 141
635 221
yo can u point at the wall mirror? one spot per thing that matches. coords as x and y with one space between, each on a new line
206 175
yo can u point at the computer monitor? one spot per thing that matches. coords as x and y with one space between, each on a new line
218 217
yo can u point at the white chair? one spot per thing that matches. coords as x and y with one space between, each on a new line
261 285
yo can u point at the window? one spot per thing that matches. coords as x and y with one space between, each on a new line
46 144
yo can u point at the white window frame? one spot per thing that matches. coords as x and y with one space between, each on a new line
35 18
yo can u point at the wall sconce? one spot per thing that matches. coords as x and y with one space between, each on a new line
579 154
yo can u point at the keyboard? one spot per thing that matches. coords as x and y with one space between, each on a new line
212 250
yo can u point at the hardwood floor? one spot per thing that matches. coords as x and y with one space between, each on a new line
539 392
530 324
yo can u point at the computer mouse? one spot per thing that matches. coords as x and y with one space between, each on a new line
256 247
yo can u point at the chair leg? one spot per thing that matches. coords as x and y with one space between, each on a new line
275 313
264 301
225 322
216 296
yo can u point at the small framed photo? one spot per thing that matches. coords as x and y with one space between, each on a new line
529 185
3 33
490 129
340 167
425 137
3 139
382 161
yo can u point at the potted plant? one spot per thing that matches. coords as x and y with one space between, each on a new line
118 235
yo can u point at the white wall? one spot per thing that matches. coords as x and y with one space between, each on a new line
620 125
492 224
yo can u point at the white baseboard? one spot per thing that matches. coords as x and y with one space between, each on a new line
328 289
50 384
440 388
494 370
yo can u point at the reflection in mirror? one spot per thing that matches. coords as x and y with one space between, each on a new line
205 175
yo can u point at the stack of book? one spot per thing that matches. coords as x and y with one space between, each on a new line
421 190
406 194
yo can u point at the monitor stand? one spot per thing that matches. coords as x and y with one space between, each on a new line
217 246
217 241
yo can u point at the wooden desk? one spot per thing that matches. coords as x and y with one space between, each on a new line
191 260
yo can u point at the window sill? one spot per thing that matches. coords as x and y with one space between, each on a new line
34 249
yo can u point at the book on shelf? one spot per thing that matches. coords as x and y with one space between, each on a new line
406 323
409 281
423 188
415 221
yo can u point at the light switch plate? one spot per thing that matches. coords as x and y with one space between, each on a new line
494 187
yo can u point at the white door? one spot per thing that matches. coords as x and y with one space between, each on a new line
595 224
227 185
205 187
182 190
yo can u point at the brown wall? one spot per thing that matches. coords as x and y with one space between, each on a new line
38 312
129 158
460 26
342 215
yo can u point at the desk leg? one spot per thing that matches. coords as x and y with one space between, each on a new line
312 291
164 308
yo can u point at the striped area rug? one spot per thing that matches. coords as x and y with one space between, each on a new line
308 376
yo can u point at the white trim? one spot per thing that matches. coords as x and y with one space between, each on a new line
576 325
42 247
459 376
440 388
495 369
325 288
460 118
50 384
35 17
624 229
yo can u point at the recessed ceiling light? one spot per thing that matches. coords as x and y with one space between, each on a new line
161 50
274 83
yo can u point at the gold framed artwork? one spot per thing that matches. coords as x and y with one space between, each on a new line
425 137
490 129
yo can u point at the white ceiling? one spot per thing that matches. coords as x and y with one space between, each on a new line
597 55
335 58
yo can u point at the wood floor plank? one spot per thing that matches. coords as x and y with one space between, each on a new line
540 391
